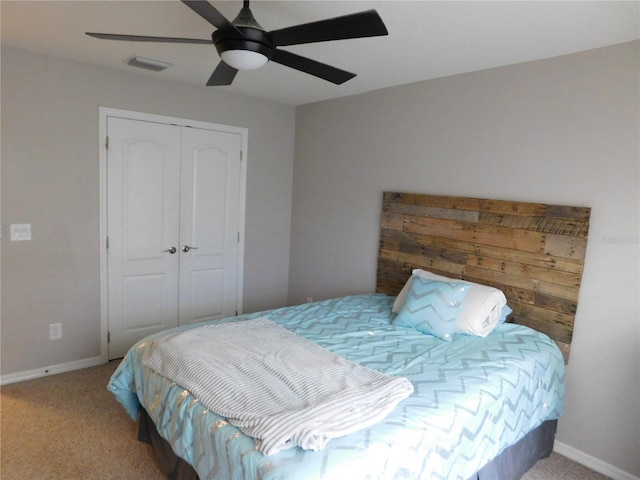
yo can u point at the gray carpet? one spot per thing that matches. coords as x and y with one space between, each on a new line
68 426
558 467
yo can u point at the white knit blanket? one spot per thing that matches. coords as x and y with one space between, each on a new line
275 386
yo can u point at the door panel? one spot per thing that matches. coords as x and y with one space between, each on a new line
209 199
143 214
210 202
143 302
207 300
143 198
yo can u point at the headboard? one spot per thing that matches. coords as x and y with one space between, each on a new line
533 252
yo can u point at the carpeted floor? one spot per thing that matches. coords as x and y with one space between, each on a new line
69 426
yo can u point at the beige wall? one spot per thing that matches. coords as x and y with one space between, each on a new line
50 180
562 131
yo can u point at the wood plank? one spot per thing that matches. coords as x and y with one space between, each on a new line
423 262
390 265
551 289
517 294
393 275
409 238
558 226
531 258
390 288
557 332
534 313
434 252
513 208
556 304
390 269
434 212
517 268
392 221
392 235
482 234
387 244
460 203
565 246
579 214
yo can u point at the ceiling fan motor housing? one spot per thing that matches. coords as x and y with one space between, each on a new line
253 40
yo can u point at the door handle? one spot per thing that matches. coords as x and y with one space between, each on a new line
186 248
171 250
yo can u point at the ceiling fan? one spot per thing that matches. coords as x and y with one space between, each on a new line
244 45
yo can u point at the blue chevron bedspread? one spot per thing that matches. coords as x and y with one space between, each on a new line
472 398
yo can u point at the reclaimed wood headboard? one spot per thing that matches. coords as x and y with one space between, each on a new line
533 252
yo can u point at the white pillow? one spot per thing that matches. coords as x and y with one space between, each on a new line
481 310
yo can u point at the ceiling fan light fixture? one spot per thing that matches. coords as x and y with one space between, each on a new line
244 59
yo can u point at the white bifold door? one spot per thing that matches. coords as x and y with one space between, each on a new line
173 226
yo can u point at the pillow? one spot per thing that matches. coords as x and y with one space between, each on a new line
480 312
506 311
432 306
398 303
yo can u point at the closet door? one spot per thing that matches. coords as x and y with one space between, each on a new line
143 171
173 227
210 224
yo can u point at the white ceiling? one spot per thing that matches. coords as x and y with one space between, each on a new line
427 39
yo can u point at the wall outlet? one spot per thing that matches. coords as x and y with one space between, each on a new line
20 232
309 300
55 331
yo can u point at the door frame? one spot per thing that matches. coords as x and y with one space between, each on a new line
104 114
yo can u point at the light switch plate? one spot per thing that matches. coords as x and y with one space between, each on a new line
20 232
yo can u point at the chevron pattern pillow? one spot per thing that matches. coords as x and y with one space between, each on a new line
432 306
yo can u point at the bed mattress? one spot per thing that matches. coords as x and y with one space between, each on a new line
473 397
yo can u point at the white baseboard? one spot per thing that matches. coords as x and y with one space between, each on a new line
51 370
592 462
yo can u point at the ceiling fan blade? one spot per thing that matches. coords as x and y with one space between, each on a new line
142 38
355 25
312 67
222 75
211 15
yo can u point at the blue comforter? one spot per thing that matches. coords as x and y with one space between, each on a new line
473 397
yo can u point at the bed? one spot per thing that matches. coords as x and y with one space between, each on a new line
482 404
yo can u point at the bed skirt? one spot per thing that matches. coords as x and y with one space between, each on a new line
511 464
174 467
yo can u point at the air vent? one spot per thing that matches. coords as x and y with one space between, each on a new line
148 63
